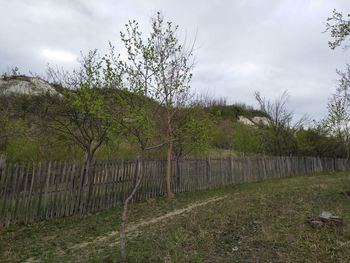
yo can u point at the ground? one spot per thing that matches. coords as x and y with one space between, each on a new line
256 222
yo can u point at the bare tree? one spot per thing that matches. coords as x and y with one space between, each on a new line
280 123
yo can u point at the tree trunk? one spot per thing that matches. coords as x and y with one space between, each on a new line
84 177
89 175
168 191
140 169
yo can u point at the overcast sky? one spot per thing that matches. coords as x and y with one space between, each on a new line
243 45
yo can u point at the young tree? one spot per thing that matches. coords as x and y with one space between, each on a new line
138 125
82 113
157 74
337 122
161 67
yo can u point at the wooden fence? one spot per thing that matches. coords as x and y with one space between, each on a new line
38 191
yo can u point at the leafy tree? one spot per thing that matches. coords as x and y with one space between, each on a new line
315 141
337 122
161 67
137 121
339 27
82 113
157 75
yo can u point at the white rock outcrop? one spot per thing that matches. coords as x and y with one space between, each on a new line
254 121
25 85
245 121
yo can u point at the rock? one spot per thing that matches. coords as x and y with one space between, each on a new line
254 121
325 215
324 219
25 85
245 121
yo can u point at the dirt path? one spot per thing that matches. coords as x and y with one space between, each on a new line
134 227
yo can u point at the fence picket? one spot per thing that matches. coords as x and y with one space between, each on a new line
30 192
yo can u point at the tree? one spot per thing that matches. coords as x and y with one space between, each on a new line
315 141
337 122
138 124
82 113
161 67
157 73
278 138
339 28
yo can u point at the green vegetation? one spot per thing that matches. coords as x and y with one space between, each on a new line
263 222
25 133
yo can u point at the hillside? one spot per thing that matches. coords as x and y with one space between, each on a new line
26 100
27 104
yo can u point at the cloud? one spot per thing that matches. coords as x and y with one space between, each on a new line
57 55
243 46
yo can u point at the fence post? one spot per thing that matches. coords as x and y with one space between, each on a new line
208 170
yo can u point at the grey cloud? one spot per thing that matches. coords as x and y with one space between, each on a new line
243 46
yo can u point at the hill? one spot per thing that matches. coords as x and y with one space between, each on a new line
230 130
26 100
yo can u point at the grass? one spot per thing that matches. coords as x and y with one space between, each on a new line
256 222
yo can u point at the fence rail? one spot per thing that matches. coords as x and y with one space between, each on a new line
38 191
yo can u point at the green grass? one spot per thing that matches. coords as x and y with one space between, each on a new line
256 222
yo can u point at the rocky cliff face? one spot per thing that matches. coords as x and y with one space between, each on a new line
254 121
25 85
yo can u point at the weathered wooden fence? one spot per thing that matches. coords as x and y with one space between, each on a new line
37 191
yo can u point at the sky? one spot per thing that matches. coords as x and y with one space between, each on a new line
242 46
